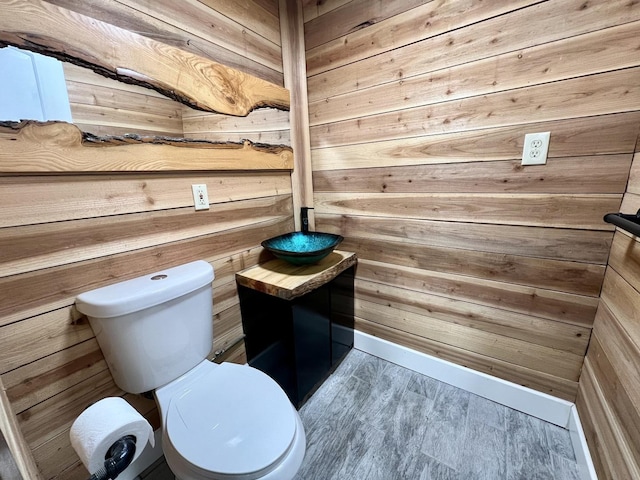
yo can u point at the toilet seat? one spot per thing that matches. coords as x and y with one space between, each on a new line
232 421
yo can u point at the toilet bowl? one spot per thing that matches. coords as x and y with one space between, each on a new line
229 421
219 422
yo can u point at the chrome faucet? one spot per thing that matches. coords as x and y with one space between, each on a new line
304 216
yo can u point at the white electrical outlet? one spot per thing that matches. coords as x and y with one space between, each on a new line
200 197
536 147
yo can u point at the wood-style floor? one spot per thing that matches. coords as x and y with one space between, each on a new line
8 467
373 420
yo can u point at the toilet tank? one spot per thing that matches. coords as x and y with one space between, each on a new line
154 328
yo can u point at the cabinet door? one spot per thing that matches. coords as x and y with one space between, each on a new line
267 324
312 339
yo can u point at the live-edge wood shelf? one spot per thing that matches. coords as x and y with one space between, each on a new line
60 147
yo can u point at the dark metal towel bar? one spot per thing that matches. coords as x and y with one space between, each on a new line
628 221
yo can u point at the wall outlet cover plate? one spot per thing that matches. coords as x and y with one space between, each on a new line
536 147
200 197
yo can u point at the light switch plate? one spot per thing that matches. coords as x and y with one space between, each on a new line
536 147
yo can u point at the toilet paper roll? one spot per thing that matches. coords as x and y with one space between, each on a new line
104 422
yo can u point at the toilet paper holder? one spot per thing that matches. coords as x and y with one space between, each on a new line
117 458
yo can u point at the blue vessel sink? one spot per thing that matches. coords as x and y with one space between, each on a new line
302 248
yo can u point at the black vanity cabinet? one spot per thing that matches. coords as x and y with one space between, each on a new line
298 320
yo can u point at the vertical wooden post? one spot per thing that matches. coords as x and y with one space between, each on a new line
295 79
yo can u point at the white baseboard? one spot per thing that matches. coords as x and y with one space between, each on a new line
546 407
580 447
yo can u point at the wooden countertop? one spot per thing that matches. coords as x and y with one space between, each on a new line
284 280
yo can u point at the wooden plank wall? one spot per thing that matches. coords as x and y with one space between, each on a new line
245 36
609 392
418 111
61 235
103 106
265 125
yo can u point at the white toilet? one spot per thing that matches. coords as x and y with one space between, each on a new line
222 421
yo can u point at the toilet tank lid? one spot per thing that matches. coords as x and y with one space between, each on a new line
146 291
